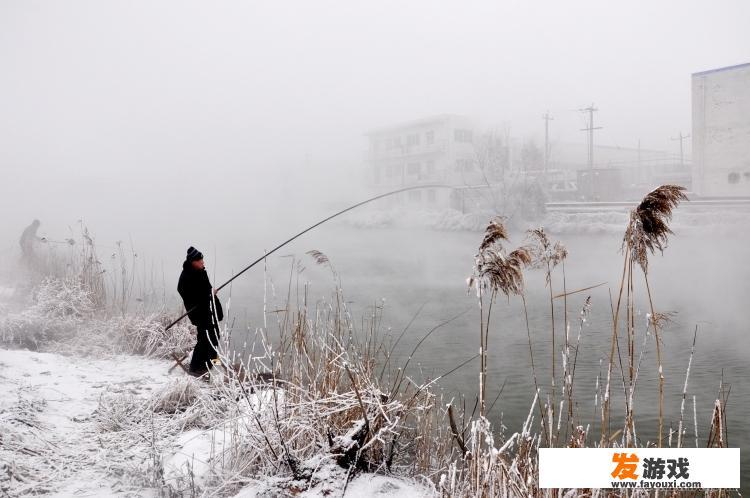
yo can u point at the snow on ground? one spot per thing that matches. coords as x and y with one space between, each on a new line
362 486
49 435
51 440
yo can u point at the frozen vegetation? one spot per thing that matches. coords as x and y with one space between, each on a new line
314 406
94 409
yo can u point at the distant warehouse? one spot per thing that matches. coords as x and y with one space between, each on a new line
721 132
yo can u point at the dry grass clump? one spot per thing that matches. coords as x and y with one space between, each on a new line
177 397
119 413
146 335
63 299
28 331
183 403
57 310
63 318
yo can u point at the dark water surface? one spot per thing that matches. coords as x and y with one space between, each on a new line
705 282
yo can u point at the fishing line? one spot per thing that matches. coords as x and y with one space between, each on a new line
265 255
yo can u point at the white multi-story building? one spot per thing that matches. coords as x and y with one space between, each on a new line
436 150
721 131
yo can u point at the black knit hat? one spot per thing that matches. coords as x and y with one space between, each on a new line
194 254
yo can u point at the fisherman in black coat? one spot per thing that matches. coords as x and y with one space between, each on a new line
200 301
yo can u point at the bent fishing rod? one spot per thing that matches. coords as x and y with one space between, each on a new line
394 192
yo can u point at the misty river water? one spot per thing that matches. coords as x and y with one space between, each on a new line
703 281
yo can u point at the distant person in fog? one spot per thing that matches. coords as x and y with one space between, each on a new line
29 240
200 302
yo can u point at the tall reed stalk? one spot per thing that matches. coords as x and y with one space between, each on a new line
495 271
647 231
547 256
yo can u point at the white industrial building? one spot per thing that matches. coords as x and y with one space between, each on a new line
721 132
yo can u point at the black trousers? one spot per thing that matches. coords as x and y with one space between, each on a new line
205 348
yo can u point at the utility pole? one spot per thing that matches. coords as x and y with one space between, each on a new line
547 118
681 137
510 150
590 128
642 176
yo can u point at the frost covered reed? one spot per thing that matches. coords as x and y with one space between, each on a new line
647 231
495 271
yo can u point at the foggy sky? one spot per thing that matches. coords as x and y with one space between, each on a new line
154 117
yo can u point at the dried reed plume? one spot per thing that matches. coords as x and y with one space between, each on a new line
495 269
502 272
648 227
494 233
544 251
319 257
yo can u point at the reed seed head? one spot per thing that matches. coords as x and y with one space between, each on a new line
494 233
319 257
545 254
496 270
648 228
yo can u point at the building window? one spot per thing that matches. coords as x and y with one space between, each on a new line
462 135
464 165
415 196
430 137
412 139
431 197
413 168
733 177
430 168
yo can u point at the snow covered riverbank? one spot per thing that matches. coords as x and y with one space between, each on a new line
48 422
56 437
88 407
